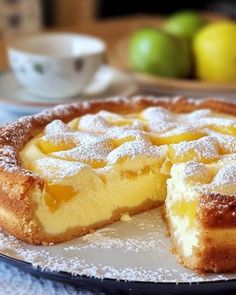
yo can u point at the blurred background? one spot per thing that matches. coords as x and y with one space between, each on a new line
31 15
175 66
89 16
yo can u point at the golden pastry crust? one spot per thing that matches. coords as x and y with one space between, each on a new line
217 210
17 184
217 252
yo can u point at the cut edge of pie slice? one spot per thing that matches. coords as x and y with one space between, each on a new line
202 223
22 190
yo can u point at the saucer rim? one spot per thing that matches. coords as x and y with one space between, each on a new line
28 103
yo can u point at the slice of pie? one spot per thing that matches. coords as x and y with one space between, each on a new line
79 167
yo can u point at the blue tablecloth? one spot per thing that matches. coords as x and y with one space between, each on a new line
16 282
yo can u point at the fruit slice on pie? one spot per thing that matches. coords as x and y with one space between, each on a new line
80 167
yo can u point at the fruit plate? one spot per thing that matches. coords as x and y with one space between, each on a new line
126 257
157 85
191 87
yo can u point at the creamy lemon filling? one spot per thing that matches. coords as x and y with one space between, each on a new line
187 183
78 196
181 207
101 163
99 201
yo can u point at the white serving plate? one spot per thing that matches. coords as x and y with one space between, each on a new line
127 254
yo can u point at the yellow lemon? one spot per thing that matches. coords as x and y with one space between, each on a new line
215 52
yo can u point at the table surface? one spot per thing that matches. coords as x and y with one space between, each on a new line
14 281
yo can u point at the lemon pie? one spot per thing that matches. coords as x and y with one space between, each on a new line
79 167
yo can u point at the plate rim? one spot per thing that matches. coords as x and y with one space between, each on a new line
38 269
180 84
74 99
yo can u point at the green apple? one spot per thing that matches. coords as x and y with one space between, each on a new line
184 24
156 52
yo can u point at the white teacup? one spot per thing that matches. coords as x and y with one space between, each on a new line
56 65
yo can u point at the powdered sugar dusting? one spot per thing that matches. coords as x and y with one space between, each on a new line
205 148
57 127
95 123
226 175
225 180
135 148
197 115
124 133
227 143
180 129
159 119
56 169
87 152
105 138
196 172
218 121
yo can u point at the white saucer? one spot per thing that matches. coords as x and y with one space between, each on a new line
107 82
